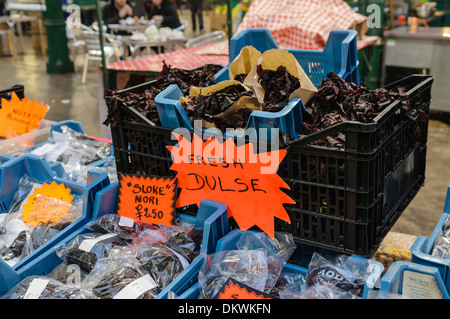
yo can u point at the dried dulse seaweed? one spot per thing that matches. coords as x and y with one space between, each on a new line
205 106
338 101
144 102
278 86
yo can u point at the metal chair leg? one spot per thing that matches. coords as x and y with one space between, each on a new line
85 68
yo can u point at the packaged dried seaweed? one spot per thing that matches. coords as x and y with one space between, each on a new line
120 278
42 287
86 249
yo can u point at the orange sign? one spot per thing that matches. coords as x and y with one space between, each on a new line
18 117
246 182
47 204
147 199
233 289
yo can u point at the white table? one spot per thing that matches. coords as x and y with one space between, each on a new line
127 27
136 44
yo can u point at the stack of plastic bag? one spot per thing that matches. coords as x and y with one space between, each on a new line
75 151
21 234
118 260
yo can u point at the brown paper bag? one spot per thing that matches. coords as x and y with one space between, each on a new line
244 62
244 103
271 60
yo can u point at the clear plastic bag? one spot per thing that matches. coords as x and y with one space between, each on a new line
289 283
278 249
86 249
46 219
24 188
42 287
249 267
339 277
321 291
161 262
120 277
13 240
111 223
442 245
71 275
74 151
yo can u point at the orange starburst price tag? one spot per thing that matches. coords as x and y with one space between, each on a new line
47 204
246 182
234 289
147 199
19 117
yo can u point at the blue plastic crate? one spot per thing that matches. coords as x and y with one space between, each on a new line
340 55
421 250
229 241
57 127
211 216
392 281
37 168
288 120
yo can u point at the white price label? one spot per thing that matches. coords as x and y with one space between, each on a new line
136 288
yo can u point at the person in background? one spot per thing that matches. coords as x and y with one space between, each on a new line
163 12
197 11
116 10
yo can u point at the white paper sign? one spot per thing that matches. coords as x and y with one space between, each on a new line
36 288
420 286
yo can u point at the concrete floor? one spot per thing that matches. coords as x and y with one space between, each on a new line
68 98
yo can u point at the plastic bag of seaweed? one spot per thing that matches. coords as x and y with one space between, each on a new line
120 277
86 249
42 287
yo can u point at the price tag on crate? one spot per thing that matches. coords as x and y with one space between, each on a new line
147 199
20 116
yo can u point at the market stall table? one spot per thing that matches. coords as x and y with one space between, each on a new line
214 53
190 58
18 19
426 50
128 27
135 44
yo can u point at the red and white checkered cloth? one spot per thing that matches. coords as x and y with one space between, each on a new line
300 24
187 59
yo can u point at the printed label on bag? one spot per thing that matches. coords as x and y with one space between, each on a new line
136 288
88 244
36 288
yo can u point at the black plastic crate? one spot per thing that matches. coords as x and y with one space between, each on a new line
346 199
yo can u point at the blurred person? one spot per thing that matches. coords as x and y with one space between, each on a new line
197 11
116 10
164 12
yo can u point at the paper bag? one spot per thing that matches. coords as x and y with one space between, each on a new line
271 60
245 104
243 63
